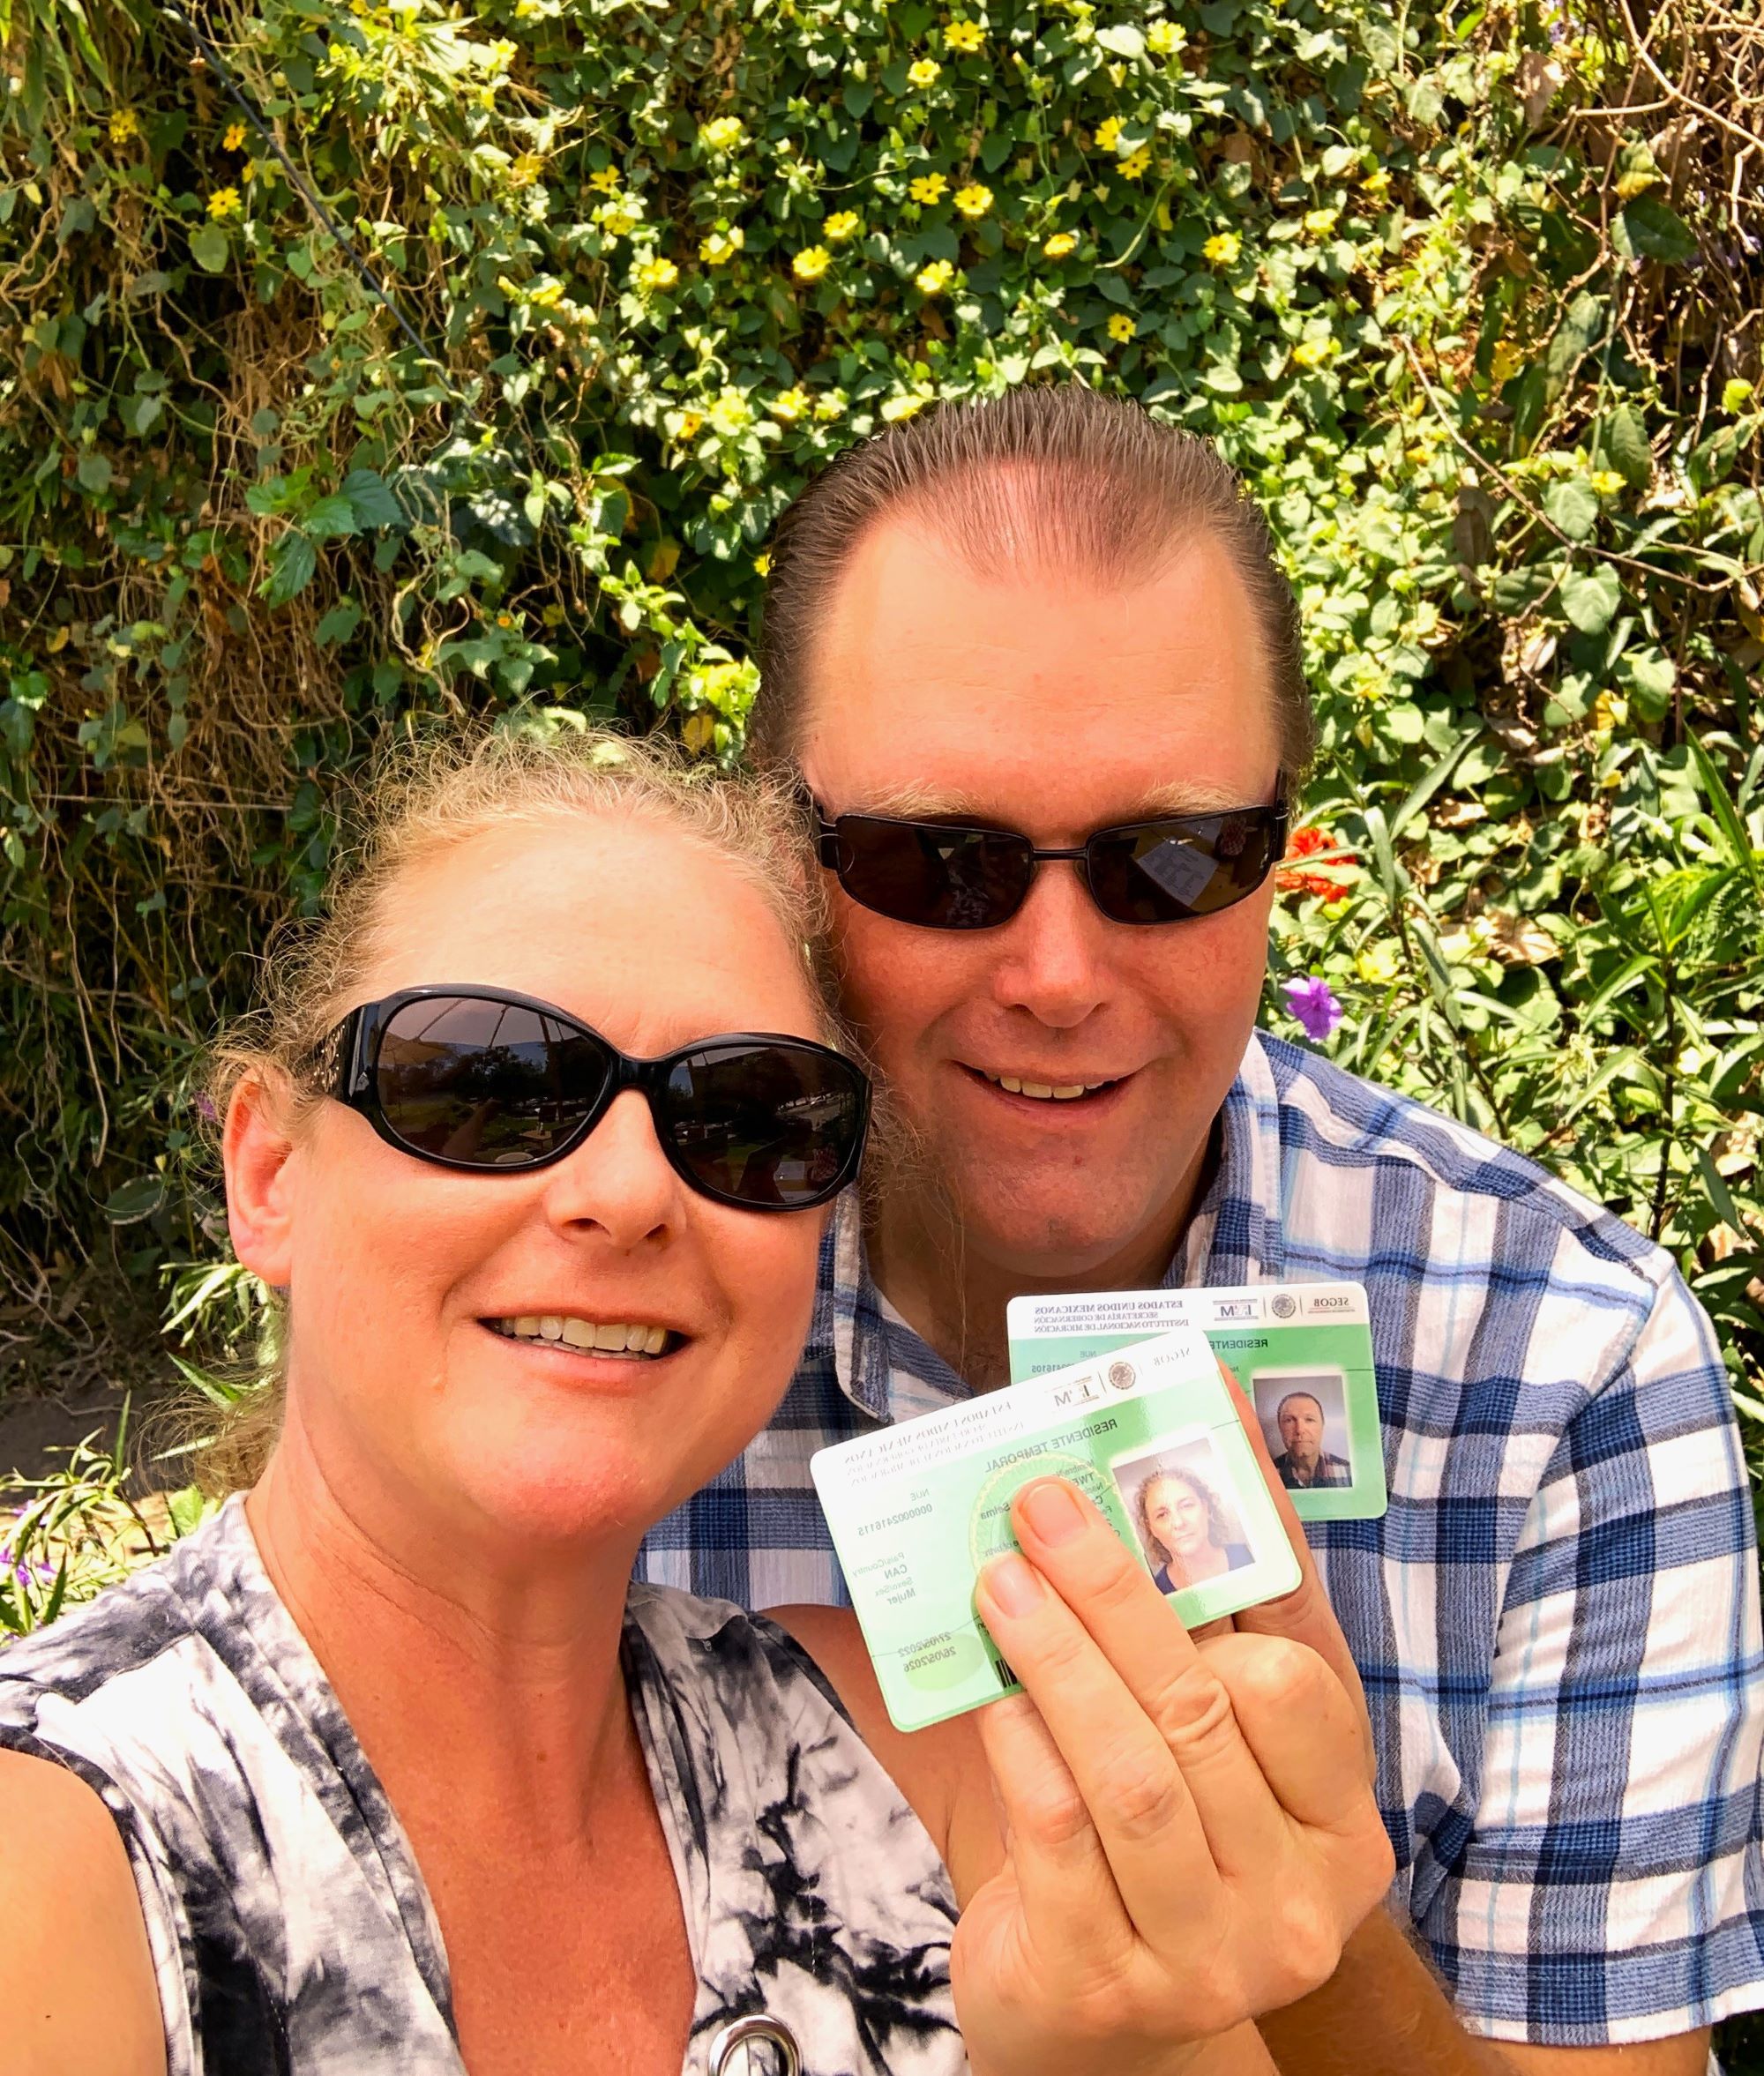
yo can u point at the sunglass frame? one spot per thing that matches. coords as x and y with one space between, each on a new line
345 1064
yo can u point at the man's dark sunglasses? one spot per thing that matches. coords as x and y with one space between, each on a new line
481 1080
954 877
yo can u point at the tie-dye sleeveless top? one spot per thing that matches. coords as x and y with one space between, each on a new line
290 1930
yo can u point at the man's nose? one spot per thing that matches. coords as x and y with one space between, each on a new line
1052 955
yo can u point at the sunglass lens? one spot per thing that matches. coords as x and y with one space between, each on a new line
938 878
774 1126
484 1084
1166 872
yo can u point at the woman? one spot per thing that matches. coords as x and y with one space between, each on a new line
384 1769
1184 1530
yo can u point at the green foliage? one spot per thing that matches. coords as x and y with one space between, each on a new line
1486 352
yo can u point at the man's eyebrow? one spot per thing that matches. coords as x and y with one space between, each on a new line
929 803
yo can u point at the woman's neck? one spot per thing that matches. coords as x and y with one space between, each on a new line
479 1677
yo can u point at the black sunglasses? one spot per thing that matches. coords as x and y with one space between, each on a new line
487 1081
941 876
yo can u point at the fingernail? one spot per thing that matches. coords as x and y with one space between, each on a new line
1051 1509
1013 1583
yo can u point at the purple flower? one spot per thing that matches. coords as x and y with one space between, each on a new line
1313 1007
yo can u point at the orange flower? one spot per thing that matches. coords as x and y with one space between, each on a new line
1307 843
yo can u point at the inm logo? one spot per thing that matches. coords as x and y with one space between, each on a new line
1080 1393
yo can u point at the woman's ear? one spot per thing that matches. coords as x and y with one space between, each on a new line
255 1147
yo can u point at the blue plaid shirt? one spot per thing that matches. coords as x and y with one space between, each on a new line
1557 1621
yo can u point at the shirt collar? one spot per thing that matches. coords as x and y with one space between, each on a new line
1235 1237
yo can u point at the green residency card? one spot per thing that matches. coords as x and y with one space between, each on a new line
1302 1353
1150 1434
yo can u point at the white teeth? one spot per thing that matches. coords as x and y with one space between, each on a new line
1064 1092
586 1334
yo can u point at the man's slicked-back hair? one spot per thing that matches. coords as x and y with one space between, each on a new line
1041 477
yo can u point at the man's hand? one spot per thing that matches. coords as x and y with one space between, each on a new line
1191 1833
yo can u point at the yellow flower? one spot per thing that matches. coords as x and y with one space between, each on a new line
1320 222
606 180
791 404
1311 353
762 565
964 36
973 200
1108 134
812 263
224 202
235 137
723 133
831 404
546 292
501 55
618 220
927 187
1165 39
1377 184
934 279
1606 482
923 72
1135 163
657 274
553 614
526 169
530 11
731 414
721 246
249 170
689 425
1222 250
841 225
124 123
1378 965
1121 327
1060 245
505 619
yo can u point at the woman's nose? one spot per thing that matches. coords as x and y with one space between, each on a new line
618 1180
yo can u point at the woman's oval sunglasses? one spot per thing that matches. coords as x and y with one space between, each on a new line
945 875
483 1080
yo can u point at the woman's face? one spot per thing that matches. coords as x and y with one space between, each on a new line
1176 1515
398 1272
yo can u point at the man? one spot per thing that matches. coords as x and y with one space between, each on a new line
1013 650
1304 1464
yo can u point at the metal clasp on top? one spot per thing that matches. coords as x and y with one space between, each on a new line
750 2032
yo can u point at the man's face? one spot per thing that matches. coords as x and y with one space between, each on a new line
1055 705
1301 1430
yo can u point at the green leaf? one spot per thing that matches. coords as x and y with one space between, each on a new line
1622 441
338 625
1572 506
1647 230
332 519
94 472
1123 39
1590 601
134 1200
1647 675
1574 339
372 499
293 561
209 248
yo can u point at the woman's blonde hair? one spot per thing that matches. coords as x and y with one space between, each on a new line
419 803
1218 1529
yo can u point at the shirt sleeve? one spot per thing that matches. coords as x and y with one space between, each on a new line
1610 1888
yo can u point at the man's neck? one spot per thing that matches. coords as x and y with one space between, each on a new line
954 1296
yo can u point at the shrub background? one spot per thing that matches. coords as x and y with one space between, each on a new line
1470 295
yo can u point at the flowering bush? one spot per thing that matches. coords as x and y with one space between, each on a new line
469 361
